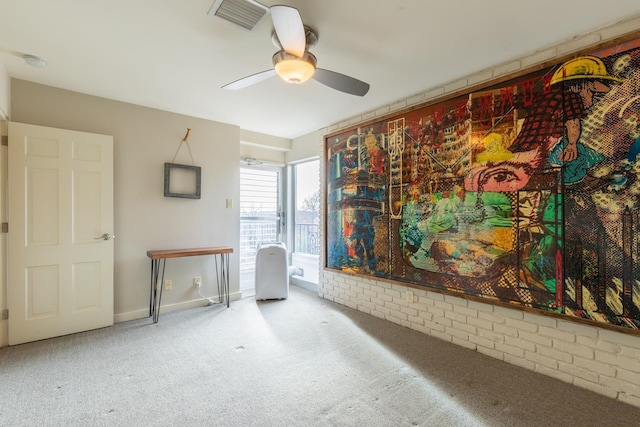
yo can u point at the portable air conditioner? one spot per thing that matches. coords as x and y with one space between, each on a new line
272 272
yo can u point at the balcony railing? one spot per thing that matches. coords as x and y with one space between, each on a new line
307 238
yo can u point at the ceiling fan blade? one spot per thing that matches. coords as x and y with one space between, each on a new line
289 29
250 80
341 82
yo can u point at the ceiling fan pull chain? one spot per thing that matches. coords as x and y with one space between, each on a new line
184 139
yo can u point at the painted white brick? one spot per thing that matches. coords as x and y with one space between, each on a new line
519 361
378 313
597 344
592 365
415 99
631 381
393 319
479 306
507 68
482 342
484 324
505 330
455 300
619 338
415 320
495 337
392 306
437 312
540 320
462 326
539 57
463 343
455 86
521 325
425 315
457 333
456 317
441 335
424 300
578 329
409 311
631 400
554 353
541 360
443 305
553 373
509 313
597 388
579 43
468 312
556 334
435 296
392 292
489 352
633 353
363 309
619 361
535 338
437 327
480 77
368 116
620 29
491 318
382 111
507 349
398 106
434 93
442 321
575 349
517 342
575 371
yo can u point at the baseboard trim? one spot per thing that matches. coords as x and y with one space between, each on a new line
184 305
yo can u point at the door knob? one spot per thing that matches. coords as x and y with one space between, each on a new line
106 236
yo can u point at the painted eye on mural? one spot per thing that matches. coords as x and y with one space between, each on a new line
507 176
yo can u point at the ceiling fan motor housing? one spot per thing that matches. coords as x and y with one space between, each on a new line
293 69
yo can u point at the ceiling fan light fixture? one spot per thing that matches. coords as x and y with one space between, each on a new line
293 69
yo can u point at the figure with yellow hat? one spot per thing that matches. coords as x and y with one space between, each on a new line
553 122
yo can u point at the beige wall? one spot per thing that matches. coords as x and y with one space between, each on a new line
601 360
5 95
144 139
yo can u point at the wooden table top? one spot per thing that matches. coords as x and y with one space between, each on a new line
179 253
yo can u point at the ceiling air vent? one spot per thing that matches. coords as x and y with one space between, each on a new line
243 13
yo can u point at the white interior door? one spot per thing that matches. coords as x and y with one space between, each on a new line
60 204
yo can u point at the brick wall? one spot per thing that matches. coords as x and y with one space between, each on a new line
601 360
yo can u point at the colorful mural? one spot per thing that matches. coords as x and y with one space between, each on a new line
526 192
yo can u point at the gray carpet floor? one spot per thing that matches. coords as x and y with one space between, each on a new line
297 362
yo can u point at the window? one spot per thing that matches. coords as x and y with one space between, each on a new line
306 233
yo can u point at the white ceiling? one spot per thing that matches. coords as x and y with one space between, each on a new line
171 55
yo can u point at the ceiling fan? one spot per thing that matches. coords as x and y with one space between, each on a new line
293 62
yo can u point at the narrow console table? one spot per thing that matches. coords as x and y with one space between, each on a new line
160 257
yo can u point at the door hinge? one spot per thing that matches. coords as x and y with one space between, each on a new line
5 141
5 314
5 227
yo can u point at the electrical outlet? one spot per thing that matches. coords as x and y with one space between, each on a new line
197 282
409 296
168 285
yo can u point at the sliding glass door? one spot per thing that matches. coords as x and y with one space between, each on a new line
260 217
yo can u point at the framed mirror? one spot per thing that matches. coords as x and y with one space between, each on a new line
181 181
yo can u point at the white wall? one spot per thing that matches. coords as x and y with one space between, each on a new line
601 360
144 139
